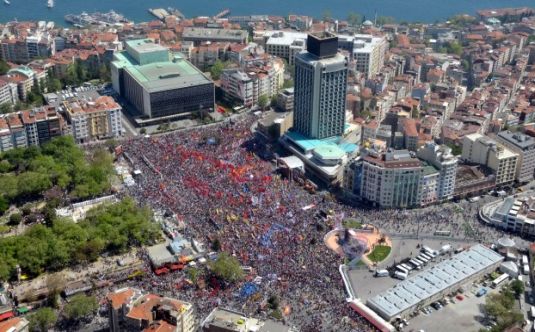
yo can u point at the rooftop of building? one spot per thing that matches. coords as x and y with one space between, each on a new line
309 144
143 306
144 46
309 57
426 284
14 324
519 140
329 152
237 321
162 76
121 297
96 104
194 32
521 207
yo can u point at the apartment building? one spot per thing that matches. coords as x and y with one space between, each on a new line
246 85
390 180
41 124
483 150
524 146
8 92
24 49
130 310
93 117
440 157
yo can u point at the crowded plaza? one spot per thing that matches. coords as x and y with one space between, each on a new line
214 180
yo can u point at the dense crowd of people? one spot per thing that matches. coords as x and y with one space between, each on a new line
214 180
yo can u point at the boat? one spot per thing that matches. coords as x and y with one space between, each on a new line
50 4
96 18
7 2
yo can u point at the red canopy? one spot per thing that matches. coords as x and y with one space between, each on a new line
6 315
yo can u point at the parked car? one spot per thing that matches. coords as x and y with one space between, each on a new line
481 292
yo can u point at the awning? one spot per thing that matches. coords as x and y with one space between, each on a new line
6 315
22 310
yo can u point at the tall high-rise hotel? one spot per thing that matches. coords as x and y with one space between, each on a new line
320 88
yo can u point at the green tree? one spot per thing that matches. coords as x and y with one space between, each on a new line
80 306
216 245
4 67
6 108
216 69
53 84
263 101
43 319
288 84
4 205
273 302
194 274
517 287
227 268
104 73
15 219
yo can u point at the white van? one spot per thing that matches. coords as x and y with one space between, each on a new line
400 275
381 273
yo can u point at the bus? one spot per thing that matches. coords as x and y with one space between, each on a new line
428 251
422 263
417 265
428 256
402 269
423 258
524 260
407 267
496 282
532 312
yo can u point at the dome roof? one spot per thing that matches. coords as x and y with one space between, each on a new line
367 23
506 242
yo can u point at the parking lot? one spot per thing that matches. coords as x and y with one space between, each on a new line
366 285
462 315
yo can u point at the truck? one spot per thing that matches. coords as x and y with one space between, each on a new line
445 249
381 273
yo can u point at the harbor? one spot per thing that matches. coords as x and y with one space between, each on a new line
97 18
161 13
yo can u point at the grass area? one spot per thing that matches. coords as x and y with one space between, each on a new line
379 253
352 223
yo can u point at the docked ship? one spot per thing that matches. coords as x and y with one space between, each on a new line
97 18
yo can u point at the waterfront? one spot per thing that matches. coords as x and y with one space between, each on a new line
412 10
